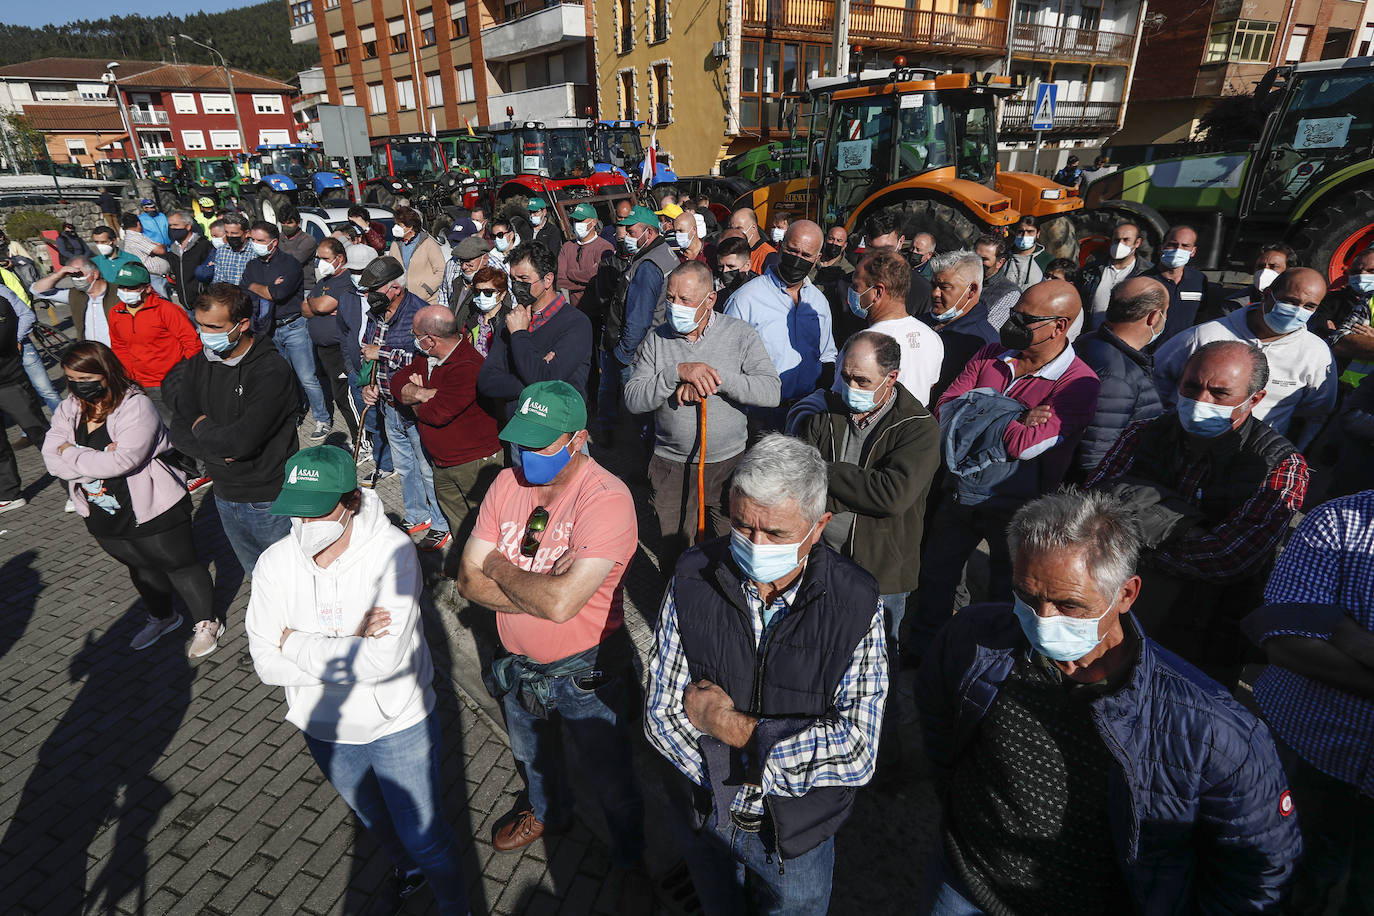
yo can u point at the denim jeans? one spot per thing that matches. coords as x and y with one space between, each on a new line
39 378
392 784
614 376
417 489
944 894
251 529
734 872
160 285
293 342
596 720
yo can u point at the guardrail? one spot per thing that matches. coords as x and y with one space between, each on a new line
1017 115
869 22
519 9
140 116
1044 41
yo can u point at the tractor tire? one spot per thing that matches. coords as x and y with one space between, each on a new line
1337 231
167 201
954 227
270 203
381 196
1064 236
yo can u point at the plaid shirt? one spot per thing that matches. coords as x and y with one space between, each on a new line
1244 539
453 269
1329 561
541 318
229 264
838 750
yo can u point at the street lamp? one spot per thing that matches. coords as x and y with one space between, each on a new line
109 78
229 78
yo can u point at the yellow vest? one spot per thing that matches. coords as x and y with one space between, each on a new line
12 281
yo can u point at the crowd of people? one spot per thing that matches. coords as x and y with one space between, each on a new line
825 427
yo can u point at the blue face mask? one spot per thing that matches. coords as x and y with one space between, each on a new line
683 318
858 400
854 299
1023 242
1174 258
1064 639
631 244
765 562
1286 317
953 312
1362 284
1206 421
541 469
219 342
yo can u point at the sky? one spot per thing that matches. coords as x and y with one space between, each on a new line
41 14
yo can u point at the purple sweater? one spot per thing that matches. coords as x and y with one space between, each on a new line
138 437
1066 384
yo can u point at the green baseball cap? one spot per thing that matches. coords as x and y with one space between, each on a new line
536 203
547 410
315 479
641 215
131 273
583 211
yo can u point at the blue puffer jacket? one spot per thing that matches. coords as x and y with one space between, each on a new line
1128 394
1200 810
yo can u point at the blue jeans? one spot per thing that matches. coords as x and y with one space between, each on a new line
894 612
39 378
251 529
417 489
596 720
944 894
392 784
160 285
293 342
732 869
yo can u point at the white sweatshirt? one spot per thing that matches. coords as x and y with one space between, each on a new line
340 687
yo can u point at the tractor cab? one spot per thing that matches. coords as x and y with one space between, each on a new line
115 170
619 149
468 154
538 160
410 167
298 170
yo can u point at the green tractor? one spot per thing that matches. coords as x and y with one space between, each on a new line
168 184
1309 181
215 177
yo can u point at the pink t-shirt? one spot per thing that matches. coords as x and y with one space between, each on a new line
594 515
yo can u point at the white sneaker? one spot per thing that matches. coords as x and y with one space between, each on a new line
8 504
69 507
365 451
321 430
153 630
205 639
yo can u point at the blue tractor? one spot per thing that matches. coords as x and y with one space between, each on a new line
294 173
617 147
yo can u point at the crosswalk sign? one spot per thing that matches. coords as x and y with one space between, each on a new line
1043 117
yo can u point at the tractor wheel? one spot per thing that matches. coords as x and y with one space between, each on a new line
167 200
381 196
1083 233
1336 232
270 203
953 226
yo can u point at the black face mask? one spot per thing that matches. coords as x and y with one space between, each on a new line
793 268
522 293
377 304
235 242
1016 333
830 251
178 235
731 280
87 391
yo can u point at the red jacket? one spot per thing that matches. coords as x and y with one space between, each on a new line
455 426
152 340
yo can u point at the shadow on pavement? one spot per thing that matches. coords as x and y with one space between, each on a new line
20 583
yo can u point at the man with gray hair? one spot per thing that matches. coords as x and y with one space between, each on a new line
957 312
188 251
767 697
1082 767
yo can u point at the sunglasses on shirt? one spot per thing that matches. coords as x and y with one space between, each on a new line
534 526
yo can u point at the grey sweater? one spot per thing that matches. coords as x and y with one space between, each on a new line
734 349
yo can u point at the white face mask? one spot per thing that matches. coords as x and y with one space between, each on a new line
130 296
583 229
104 249
485 301
536 219
1121 251
323 268
1265 277
316 537
479 223
398 231
684 239
217 241
777 235
260 249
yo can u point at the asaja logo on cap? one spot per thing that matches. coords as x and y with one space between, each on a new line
533 406
299 473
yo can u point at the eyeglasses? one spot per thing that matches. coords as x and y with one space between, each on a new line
534 525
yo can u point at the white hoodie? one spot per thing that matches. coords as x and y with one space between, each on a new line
340 687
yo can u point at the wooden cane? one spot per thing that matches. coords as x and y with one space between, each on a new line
358 439
701 478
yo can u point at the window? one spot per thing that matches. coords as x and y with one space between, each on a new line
627 25
78 148
224 139
627 95
1297 43
302 13
396 28
367 37
217 103
348 97
660 84
376 98
340 55
398 43
660 23
184 103
1090 18
274 136
967 7
267 104
465 90
193 139
94 92
434 90
749 85
460 27
405 94
1242 41
331 4
54 92
427 37
369 50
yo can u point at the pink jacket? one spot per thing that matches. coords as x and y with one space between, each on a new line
138 436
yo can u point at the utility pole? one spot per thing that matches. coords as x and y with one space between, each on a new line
228 78
839 42
113 82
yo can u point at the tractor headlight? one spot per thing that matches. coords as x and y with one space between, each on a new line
1052 194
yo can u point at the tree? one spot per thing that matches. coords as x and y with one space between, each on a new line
23 140
1234 120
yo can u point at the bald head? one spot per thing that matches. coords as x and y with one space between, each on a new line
805 238
1228 373
687 223
1134 299
744 219
623 208
438 322
1057 298
1300 285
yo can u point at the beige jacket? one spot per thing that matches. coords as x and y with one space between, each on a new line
426 272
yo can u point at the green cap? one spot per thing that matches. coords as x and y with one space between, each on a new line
131 273
547 410
642 215
583 211
536 203
315 479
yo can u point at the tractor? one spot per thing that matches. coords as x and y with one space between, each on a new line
411 169
291 173
215 177
1309 181
115 170
618 149
167 181
471 158
534 160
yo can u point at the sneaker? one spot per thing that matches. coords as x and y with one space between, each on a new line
376 477
194 485
416 529
69 507
435 540
18 503
205 638
321 430
407 883
153 630
365 451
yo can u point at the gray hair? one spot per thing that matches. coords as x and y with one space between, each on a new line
1097 523
184 215
965 263
781 468
81 263
1259 363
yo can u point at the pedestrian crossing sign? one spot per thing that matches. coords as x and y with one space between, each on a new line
1043 117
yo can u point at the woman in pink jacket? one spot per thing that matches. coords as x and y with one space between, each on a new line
105 441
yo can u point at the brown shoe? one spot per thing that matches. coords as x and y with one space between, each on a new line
519 833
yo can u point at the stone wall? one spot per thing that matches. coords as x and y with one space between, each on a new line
83 214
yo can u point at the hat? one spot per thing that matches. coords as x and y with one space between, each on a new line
145 202
206 203
640 215
536 203
461 229
131 273
357 257
547 410
474 246
1073 160
583 211
381 272
672 211
315 479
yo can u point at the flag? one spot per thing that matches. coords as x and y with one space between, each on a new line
650 167
433 130
468 125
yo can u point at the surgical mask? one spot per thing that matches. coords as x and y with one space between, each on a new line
1174 258
178 234
830 251
398 231
1362 284
261 248
87 391
855 299
479 223
1064 639
485 302
536 220
357 281
218 342
503 243
1287 317
683 239
468 274
323 268
765 562
217 241
419 347
104 249
1264 278
953 311
130 296
1121 251
858 400
1154 335
1206 421
793 268
631 244
81 283
523 292
684 317
583 229
777 235
541 469
313 538
1023 242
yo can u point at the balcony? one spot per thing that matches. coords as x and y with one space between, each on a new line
529 27
1069 117
561 100
878 24
1052 42
147 117
303 33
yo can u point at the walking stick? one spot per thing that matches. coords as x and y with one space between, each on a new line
701 478
358 439
366 373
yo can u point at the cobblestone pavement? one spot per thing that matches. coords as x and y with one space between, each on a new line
141 782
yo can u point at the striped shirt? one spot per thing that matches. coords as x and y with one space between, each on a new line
838 750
